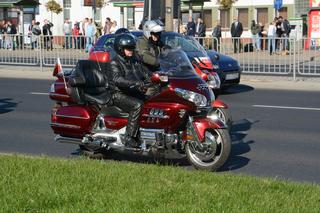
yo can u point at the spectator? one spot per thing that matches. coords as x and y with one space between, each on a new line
191 27
255 30
75 35
200 30
114 27
47 33
182 28
30 34
11 31
67 30
90 34
216 34
36 31
279 31
107 26
2 31
285 34
236 32
272 33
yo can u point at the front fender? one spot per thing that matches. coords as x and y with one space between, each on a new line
200 125
219 104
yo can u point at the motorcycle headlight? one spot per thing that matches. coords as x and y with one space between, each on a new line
198 99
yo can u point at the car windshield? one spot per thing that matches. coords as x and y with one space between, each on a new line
187 44
175 63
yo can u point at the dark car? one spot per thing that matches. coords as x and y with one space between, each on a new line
227 68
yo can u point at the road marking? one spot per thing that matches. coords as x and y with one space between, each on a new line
38 93
287 107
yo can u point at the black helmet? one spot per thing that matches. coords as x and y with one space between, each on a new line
121 31
124 41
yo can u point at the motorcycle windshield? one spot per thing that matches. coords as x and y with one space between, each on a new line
175 63
187 44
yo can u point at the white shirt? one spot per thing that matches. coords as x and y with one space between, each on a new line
272 30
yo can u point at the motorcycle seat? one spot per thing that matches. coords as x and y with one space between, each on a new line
101 99
114 111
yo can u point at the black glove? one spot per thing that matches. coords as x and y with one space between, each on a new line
140 86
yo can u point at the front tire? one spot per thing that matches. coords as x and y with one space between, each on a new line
214 152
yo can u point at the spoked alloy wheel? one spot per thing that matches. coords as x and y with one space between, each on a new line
212 153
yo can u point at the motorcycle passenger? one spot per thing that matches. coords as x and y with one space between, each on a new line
127 83
149 46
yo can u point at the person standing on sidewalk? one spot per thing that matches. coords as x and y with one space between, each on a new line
191 27
236 32
36 32
47 33
200 30
67 30
272 34
216 34
255 30
75 35
90 34
107 26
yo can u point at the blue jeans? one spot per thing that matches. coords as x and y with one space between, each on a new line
257 41
89 43
68 41
272 44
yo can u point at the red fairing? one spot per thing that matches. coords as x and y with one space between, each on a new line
202 124
205 63
60 93
219 104
73 121
102 57
115 123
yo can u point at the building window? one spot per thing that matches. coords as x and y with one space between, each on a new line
243 17
283 12
262 16
1 14
225 18
130 18
97 15
87 3
207 19
66 14
66 3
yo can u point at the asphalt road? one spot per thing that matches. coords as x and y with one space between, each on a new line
275 132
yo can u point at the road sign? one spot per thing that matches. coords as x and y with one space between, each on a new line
277 4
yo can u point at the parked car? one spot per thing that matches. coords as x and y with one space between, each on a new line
228 69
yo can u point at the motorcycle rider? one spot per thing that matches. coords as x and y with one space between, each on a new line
127 80
149 46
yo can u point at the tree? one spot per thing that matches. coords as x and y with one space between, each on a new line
226 4
53 7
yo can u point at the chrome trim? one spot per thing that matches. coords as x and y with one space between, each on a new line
215 117
69 116
65 125
156 116
68 140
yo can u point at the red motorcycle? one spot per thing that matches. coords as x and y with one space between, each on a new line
179 119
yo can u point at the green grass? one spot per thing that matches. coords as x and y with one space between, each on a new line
40 184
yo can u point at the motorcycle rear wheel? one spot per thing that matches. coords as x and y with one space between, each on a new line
93 152
215 155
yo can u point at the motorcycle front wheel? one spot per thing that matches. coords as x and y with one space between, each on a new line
212 153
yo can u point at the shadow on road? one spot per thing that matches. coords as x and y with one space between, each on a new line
240 88
7 105
239 145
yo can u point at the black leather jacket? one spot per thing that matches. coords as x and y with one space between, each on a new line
125 74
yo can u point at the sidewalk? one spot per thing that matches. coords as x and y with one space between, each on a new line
256 81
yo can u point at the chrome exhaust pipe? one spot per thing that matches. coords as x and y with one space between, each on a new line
68 140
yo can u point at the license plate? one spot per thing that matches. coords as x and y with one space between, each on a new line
232 76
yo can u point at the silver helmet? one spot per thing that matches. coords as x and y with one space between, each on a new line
152 26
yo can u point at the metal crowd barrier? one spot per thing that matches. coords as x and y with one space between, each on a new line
290 56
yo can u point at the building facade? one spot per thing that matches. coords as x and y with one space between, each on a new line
245 10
